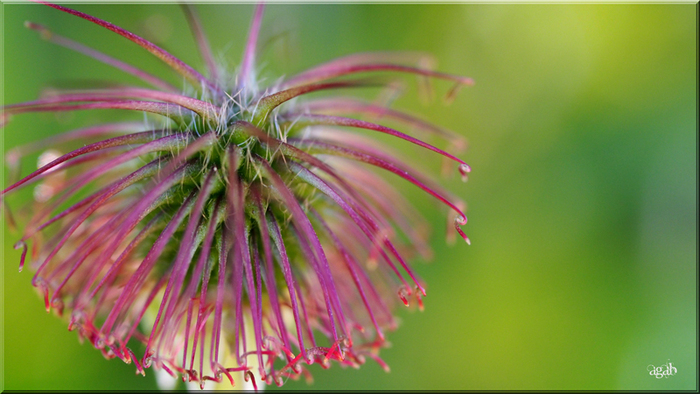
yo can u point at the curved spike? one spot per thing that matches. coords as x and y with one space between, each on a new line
269 277
401 57
117 141
248 62
144 172
187 249
337 150
202 108
200 274
195 78
146 265
50 36
170 142
312 119
339 70
14 154
294 295
200 38
348 105
166 143
172 111
272 101
143 233
372 147
307 232
66 233
352 266
313 180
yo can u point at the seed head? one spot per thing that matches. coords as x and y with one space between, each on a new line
243 228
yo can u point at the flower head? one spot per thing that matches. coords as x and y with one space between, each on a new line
243 229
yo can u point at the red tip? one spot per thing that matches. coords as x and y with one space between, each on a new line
23 245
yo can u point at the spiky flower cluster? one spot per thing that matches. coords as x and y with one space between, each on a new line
249 233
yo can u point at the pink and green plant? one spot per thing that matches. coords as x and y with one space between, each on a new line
243 229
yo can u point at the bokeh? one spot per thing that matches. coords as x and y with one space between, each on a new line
582 203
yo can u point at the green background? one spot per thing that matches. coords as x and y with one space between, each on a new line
582 130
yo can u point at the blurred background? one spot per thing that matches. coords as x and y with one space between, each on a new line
582 203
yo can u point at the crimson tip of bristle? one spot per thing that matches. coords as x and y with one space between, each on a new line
23 245
248 376
403 293
461 221
464 170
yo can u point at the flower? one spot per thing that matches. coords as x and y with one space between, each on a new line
242 229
